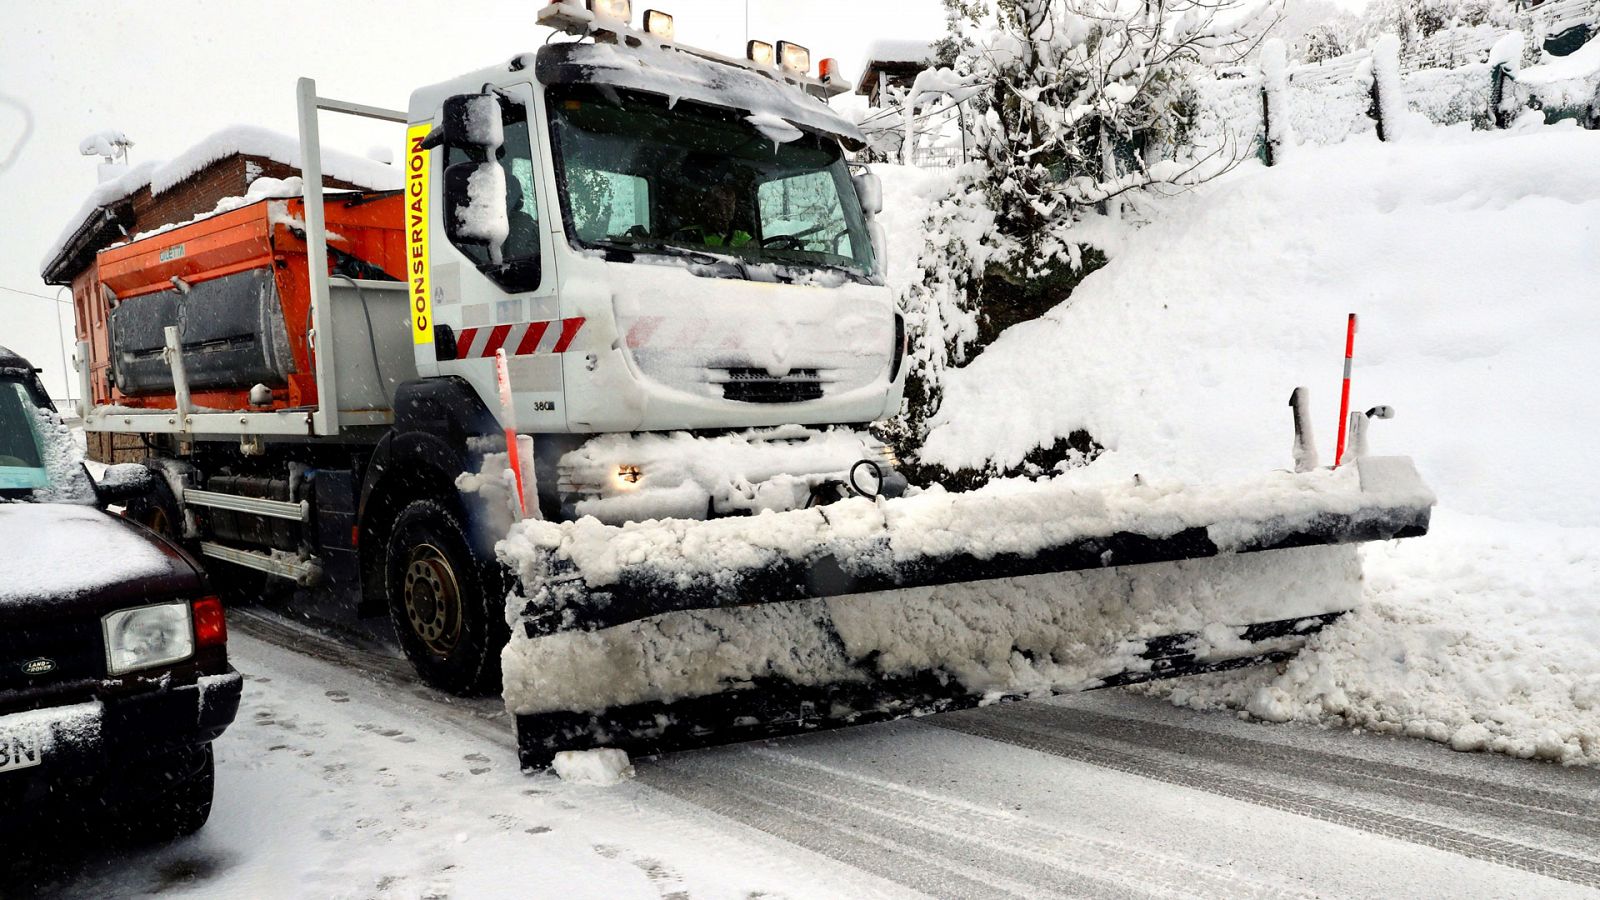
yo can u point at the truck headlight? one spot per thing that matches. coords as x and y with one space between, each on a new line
147 636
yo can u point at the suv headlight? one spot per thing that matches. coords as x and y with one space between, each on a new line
148 636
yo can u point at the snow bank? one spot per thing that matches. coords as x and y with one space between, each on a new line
599 768
1479 636
1568 82
1470 256
241 139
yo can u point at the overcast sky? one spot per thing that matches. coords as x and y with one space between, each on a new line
170 73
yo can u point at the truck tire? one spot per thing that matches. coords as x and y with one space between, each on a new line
447 603
165 800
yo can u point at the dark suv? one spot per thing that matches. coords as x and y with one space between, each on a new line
114 675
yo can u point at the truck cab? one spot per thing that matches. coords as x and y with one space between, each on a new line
679 245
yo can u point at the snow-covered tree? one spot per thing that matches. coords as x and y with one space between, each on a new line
1323 42
1069 100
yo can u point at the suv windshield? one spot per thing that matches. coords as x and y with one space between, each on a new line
39 460
644 175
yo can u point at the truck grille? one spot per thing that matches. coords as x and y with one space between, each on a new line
74 648
750 385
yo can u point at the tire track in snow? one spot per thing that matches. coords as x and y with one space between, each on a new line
1023 733
932 844
1465 795
484 718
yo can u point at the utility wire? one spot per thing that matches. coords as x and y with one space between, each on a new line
35 296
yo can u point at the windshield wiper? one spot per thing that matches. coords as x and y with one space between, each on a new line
631 245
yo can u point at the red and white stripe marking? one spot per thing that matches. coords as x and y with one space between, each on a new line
527 339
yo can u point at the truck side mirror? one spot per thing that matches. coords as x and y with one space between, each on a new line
869 189
124 482
475 205
469 122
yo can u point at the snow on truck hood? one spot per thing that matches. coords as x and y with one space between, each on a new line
58 552
679 75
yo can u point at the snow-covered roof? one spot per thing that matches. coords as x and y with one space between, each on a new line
900 50
247 140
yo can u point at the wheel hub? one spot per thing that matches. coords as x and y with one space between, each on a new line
433 600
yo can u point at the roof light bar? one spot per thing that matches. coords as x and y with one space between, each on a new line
761 53
617 12
660 24
796 59
828 70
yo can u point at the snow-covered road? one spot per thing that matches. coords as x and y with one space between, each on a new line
351 781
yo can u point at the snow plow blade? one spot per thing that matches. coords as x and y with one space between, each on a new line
667 635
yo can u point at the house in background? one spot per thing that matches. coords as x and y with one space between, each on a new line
892 63
225 171
938 136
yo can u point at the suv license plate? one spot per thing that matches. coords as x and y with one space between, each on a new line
19 751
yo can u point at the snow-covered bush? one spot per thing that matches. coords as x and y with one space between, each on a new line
1077 105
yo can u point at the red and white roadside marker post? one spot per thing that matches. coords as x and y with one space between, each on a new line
508 416
1344 396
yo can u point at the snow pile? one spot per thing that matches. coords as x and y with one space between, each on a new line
1477 636
873 538
1568 82
1467 257
238 139
598 768
1470 256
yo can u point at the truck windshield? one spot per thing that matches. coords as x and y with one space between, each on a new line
644 175
38 458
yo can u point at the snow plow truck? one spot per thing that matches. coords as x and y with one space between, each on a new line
584 409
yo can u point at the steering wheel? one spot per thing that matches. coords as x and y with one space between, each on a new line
784 242
15 462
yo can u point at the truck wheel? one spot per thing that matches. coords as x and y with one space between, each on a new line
446 602
166 800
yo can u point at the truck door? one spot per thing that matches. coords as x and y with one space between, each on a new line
484 301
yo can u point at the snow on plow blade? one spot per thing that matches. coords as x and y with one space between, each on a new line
665 635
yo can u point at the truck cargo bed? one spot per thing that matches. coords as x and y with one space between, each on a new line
236 287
